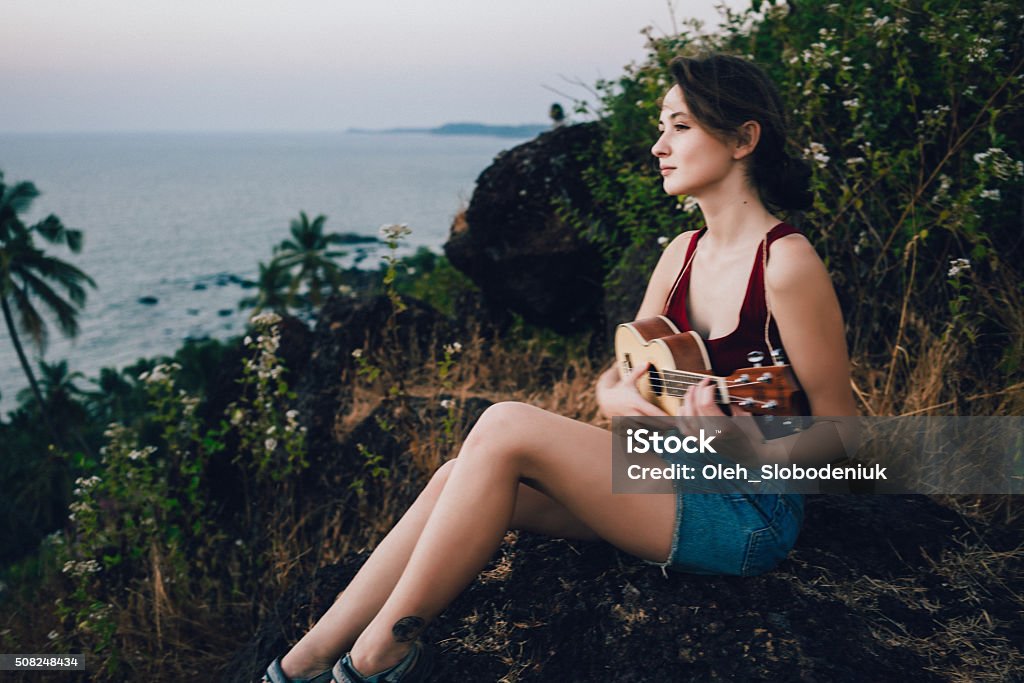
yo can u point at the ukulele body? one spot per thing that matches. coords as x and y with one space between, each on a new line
680 359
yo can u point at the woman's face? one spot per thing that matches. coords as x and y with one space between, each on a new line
691 159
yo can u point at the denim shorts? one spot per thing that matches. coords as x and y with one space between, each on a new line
738 533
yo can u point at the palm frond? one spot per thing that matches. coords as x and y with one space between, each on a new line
67 315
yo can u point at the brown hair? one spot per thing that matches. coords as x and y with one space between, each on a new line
724 92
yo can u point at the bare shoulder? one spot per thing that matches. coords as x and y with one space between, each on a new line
664 276
794 264
672 255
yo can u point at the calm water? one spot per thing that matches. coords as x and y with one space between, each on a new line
174 216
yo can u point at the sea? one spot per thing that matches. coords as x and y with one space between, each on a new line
173 223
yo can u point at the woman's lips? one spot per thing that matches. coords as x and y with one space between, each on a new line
665 170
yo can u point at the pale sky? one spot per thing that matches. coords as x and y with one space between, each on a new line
112 65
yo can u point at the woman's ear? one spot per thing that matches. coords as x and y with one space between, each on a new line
747 136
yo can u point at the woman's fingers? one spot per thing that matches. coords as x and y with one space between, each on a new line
637 372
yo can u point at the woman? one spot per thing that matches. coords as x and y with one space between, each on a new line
721 142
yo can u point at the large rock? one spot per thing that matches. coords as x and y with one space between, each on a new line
514 242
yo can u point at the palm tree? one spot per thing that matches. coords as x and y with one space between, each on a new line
309 249
26 274
272 282
61 397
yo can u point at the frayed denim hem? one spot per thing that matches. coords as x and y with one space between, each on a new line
675 536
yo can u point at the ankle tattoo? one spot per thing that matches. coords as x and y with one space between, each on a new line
407 629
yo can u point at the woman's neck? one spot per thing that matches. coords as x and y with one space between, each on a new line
734 215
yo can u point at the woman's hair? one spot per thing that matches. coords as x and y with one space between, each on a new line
723 93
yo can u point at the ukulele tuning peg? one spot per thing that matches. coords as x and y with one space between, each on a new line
747 403
770 405
766 378
755 358
778 356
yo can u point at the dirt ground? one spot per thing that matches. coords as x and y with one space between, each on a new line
878 588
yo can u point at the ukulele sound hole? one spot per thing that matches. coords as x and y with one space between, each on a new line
654 377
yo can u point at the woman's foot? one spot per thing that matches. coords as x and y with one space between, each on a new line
297 668
413 667
276 674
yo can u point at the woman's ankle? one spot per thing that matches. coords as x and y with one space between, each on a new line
304 665
373 660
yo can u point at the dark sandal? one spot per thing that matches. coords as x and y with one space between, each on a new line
414 668
276 675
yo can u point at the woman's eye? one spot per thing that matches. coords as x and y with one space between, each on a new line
680 126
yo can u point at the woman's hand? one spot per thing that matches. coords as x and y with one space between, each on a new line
738 434
617 396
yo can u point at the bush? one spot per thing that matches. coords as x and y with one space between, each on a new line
917 182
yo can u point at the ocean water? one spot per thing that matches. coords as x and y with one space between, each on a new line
181 217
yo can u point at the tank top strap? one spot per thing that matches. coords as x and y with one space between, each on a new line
755 301
667 309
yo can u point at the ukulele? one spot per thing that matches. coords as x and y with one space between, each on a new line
679 360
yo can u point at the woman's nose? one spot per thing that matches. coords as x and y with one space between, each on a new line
659 148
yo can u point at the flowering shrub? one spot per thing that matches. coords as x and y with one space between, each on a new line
910 117
270 437
133 520
144 547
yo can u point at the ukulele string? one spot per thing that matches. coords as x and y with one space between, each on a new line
661 383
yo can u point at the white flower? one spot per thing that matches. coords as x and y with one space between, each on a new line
345 290
662 240
817 152
689 204
52 635
392 232
999 163
447 403
854 160
852 103
358 353
270 444
990 194
265 319
958 265
453 348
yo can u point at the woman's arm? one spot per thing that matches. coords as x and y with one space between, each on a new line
806 311
618 396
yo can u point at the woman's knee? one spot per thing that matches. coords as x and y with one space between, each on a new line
499 428
439 478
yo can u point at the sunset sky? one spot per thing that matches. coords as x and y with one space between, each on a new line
140 65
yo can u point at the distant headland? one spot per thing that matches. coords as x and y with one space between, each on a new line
528 130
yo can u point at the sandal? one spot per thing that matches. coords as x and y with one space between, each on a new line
276 675
414 668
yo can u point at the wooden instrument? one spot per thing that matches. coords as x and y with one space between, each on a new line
678 360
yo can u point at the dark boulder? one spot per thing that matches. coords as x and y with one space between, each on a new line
515 242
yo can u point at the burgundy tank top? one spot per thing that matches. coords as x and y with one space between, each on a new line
729 353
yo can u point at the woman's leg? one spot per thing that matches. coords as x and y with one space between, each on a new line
339 627
512 443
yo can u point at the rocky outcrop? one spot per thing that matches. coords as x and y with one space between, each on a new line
515 243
